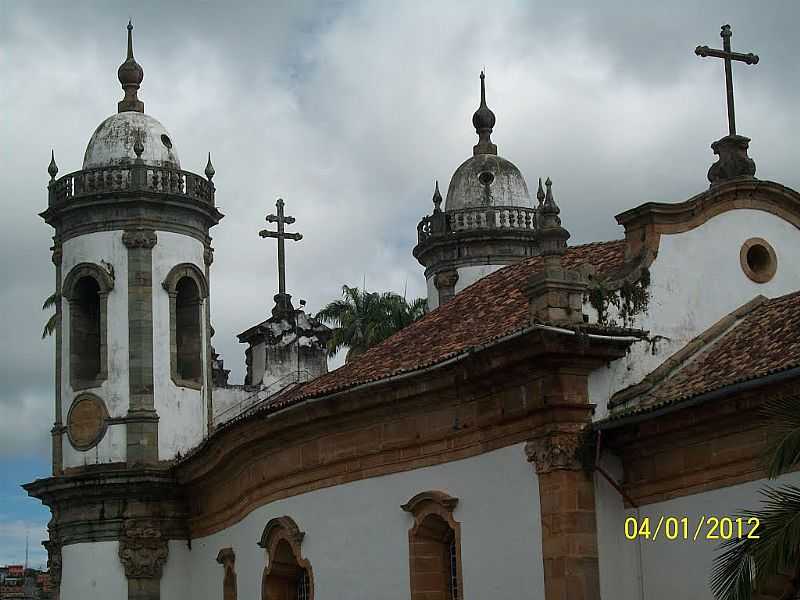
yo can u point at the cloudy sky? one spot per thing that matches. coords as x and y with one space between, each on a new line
350 111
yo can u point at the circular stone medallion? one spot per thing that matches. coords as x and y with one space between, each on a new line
86 421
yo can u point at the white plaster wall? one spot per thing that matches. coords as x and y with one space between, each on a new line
225 402
433 294
469 275
696 280
93 248
181 411
92 572
258 358
357 535
681 569
618 558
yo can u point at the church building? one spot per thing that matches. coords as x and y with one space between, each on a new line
554 398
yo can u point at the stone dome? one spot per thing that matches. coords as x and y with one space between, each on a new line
487 180
112 143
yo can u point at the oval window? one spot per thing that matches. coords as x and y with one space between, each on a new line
758 260
166 141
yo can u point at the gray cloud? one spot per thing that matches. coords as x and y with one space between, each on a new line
350 111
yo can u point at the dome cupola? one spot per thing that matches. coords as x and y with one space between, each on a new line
116 140
488 221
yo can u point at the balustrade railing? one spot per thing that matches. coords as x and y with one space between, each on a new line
91 182
482 217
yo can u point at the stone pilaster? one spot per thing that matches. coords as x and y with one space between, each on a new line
58 425
142 426
445 283
143 551
53 547
566 493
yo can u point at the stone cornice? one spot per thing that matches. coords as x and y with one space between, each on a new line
646 223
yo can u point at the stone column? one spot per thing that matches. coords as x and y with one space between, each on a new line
143 552
445 283
566 493
142 420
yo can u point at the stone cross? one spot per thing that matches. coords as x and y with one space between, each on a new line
727 55
281 235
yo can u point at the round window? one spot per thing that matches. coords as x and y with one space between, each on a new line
758 260
166 141
486 178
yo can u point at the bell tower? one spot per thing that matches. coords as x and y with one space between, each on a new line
133 378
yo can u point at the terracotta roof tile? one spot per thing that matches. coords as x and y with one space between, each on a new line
490 308
765 341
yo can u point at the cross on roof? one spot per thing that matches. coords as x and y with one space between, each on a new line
281 235
727 55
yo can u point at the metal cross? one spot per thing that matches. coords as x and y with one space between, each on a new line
728 56
281 235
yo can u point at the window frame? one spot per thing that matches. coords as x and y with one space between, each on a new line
170 285
284 529
69 290
437 504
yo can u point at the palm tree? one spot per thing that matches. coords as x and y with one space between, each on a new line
363 319
750 564
52 322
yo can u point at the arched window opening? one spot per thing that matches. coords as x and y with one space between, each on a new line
188 334
85 317
434 548
86 288
187 287
287 580
287 575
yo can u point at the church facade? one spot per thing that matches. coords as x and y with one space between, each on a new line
503 446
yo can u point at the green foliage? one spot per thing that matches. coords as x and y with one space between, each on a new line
52 322
629 298
363 319
746 564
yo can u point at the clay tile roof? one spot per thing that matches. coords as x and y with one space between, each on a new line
764 341
490 308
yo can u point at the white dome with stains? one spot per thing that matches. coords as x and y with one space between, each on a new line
487 180
113 140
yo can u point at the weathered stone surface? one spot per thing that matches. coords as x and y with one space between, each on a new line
733 160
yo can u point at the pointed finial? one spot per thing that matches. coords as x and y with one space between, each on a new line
130 74
209 168
549 201
52 168
483 120
540 192
437 198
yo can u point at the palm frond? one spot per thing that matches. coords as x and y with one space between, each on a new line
50 326
783 452
50 301
746 563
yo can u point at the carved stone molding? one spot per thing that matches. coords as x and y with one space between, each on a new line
555 450
58 253
139 238
733 159
208 255
143 550
53 547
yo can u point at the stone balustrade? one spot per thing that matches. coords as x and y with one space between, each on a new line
477 218
130 178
